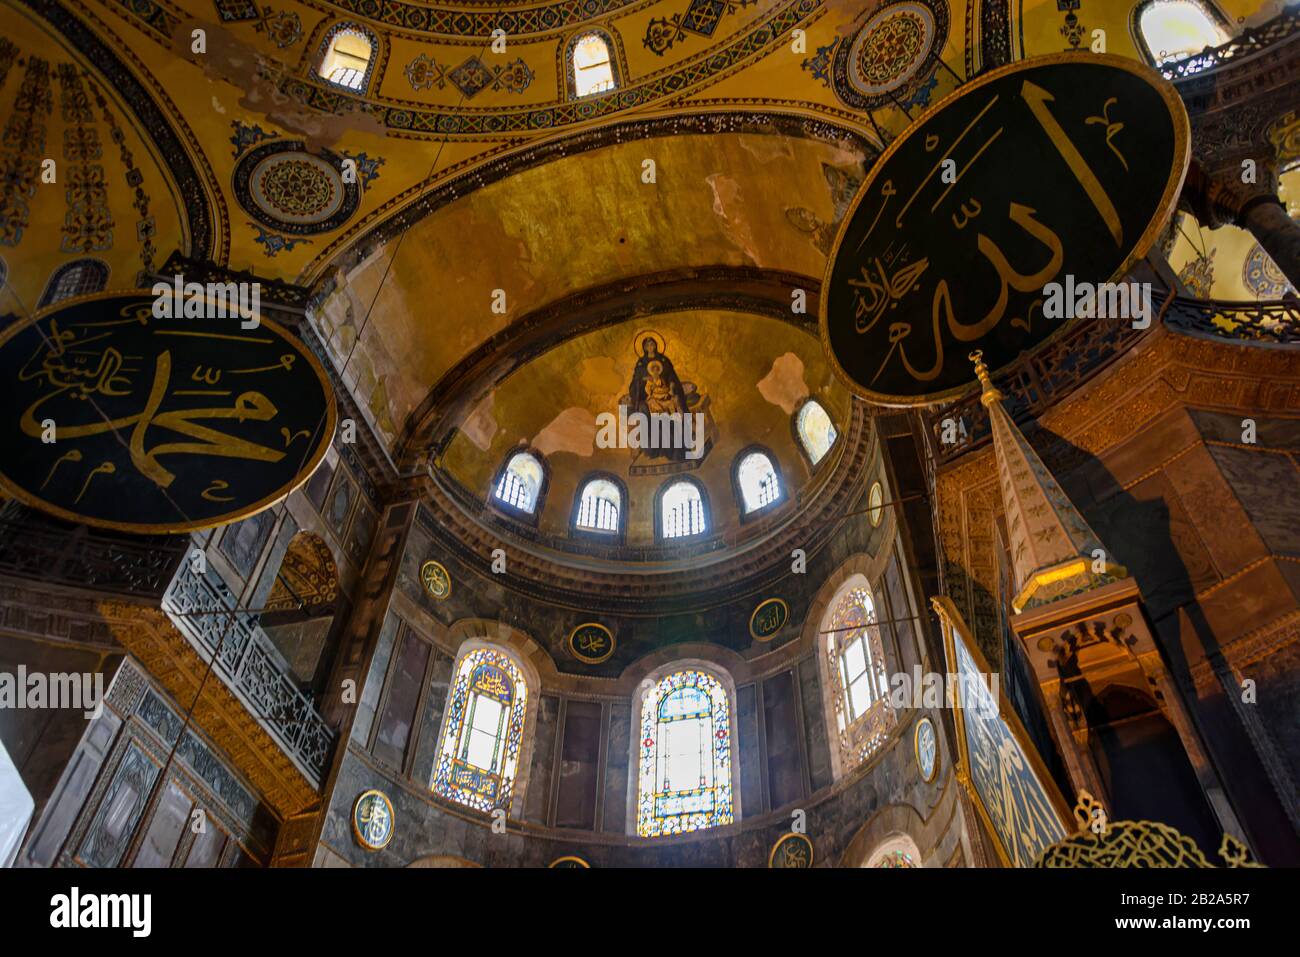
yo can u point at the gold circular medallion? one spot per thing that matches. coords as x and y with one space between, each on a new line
372 820
436 580
876 500
591 643
569 861
925 743
768 618
791 850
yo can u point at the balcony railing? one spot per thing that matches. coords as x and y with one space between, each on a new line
44 549
1250 42
204 610
1274 322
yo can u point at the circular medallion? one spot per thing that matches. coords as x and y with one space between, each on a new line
436 580
591 643
286 188
569 861
1261 276
926 745
768 618
372 820
122 419
883 63
876 501
948 247
792 850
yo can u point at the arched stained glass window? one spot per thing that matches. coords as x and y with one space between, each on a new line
816 430
80 277
684 782
599 507
349 53
682 511
856 659
593 71
521 482
897 851
478 757
759 484
1177 29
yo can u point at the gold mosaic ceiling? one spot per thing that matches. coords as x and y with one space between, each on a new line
477 169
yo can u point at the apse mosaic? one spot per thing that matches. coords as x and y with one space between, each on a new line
479 754
656 389
685 767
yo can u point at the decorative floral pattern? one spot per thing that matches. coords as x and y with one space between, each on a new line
1262 277
283 27
272 243
701 18
287 188
890 60
471 77
88 225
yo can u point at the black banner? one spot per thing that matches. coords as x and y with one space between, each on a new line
112 416
1058 169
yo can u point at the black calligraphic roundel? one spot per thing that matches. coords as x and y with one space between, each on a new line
116 418
1055 170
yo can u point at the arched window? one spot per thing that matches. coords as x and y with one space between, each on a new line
815 429
897 851
592 64
80 277
1177 29
681 510
600 507
684 781
757 481
479 752
349 55
856 663
519 486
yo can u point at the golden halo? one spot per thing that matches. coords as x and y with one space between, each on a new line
644 334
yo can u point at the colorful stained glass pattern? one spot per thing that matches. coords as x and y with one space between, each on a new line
856 654
685 776
896 859
478 756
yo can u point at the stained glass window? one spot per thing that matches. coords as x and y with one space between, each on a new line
857 666
816 431
685 775
896 859
479 753
758 481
